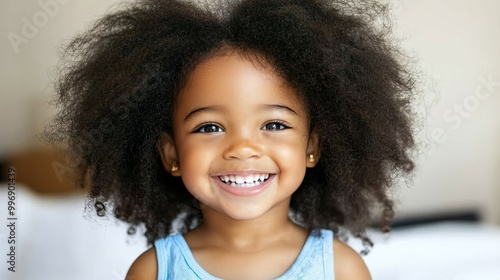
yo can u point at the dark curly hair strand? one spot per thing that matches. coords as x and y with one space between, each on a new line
120 79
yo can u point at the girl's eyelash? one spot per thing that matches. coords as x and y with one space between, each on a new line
284 125
202 127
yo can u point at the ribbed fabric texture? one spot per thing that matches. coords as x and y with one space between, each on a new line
315 260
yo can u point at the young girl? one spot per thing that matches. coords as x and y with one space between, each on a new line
241 134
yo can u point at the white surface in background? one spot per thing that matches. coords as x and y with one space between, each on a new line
441 251
55 242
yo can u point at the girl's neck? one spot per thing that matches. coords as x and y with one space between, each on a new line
225 231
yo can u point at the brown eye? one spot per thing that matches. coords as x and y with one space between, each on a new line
274 126
209 128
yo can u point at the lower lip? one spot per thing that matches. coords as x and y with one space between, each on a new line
241 191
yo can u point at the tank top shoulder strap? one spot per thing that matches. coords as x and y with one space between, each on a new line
315 261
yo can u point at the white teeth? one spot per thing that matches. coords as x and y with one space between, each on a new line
250 179
239 179
244 181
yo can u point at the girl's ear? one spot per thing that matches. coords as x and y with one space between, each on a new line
313 152
168 154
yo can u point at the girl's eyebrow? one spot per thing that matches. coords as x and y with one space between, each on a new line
214 108
219 108
277 107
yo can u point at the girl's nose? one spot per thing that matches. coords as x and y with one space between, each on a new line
243 149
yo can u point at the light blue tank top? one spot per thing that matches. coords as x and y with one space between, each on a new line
315 260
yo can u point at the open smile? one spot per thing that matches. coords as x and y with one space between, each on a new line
244 181
244 185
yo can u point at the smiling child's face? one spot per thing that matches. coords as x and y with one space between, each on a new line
241 138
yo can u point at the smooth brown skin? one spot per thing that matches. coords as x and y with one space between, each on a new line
252 234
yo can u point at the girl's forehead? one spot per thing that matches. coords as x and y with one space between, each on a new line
225 59
235 70
234 78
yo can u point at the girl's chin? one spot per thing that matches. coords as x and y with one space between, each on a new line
239 212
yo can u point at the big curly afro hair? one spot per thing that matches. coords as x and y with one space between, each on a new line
119 81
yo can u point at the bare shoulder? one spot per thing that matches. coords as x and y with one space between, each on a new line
145 267
348 263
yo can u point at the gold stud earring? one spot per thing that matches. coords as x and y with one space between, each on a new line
311 158
174 168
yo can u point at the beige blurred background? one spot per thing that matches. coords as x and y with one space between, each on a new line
456 44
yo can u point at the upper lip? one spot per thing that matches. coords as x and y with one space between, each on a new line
242 173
